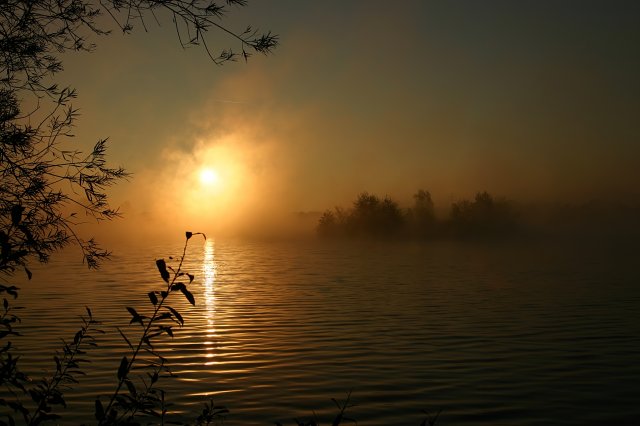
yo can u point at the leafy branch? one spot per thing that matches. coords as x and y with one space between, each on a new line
49 391
161 321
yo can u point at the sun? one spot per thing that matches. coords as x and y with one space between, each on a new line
209 177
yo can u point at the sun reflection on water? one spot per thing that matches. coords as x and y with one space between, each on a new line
209 273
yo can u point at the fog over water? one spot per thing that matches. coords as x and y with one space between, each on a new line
533 101
518 308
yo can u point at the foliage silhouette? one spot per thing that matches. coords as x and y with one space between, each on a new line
137 395
485 216
49 392
46 185
141 396
40 175
421 217
372 217
369 216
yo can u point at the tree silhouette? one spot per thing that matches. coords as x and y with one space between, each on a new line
484 216
422 215
46 186
370 216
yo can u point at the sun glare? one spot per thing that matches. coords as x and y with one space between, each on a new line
213 184
209 176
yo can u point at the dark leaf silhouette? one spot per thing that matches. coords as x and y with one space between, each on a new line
135 317
131 387
16 214
177 315
124 366
178 287
125 338
188 295
162 267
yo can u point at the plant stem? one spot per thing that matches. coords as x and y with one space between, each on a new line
144 334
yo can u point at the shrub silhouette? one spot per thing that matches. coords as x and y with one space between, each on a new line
370 216
135 395
482 217
421 217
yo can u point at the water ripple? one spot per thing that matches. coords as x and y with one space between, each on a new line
491 335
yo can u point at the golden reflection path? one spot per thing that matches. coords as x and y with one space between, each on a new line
209 273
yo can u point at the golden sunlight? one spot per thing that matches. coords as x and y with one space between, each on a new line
209 176
220 185
214 184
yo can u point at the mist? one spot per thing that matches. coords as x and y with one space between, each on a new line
420 96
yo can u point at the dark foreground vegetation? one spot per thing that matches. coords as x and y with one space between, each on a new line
137 395
48 187
371 216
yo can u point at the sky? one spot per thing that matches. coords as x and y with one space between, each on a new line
536 101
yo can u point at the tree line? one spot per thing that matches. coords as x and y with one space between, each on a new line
485 216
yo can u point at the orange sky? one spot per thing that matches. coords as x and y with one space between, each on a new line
530 100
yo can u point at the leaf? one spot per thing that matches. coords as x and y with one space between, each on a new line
36 395
191 278
135 316
188 295
125 338
177 315
77 337
152 335
177 286
99 414
162 316
123 369
146 340
29 274
188 234
131 387
153 298
16 214
162 267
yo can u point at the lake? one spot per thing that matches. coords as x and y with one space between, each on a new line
491 334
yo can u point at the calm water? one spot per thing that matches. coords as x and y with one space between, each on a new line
490 334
